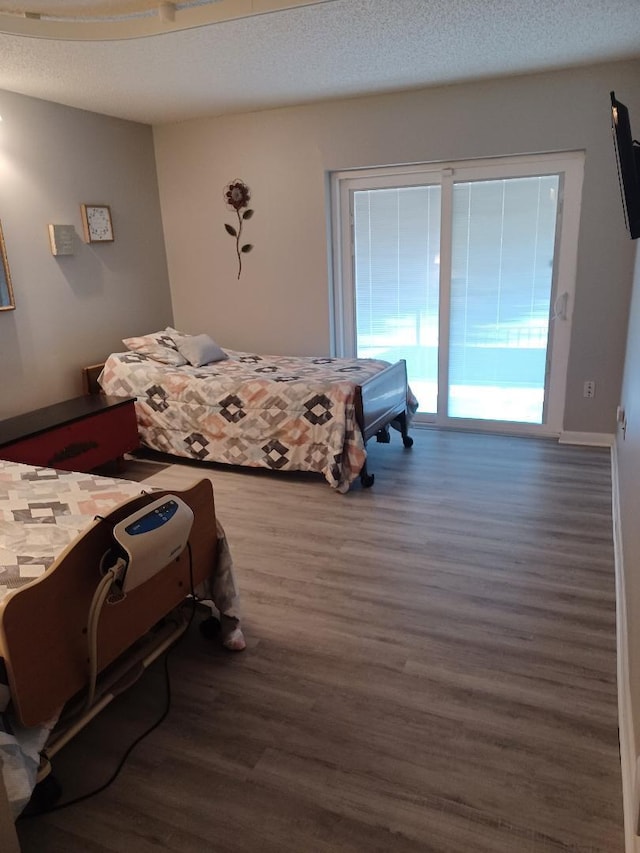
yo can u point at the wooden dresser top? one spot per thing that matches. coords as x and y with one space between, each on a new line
42 420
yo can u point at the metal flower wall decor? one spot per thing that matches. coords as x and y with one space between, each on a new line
237 196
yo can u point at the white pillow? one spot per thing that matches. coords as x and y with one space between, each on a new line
159 346
200 349
174 333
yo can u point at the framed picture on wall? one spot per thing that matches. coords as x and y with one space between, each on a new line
6 290
96 222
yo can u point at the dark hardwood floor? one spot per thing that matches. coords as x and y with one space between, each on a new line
430 667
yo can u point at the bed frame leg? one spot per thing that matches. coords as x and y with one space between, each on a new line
383 436
406 438
365 478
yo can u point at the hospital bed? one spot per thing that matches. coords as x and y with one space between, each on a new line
61 648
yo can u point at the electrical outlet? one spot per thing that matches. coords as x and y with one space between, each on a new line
589 388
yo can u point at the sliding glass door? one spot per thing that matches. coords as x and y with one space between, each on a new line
502 261
397 280
467 273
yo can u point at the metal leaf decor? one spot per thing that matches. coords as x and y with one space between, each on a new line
237 196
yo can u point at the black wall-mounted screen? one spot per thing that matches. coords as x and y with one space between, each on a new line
628 159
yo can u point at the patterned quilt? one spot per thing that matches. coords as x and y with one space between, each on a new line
278 412
42 511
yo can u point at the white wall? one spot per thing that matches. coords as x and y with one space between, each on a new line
281 303
72 311
628 453
627 458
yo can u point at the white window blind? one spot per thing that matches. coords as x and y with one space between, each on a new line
397 256
502 273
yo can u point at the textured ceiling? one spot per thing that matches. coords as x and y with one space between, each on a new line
333 49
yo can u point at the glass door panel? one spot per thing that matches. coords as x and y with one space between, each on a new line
502 256
396 234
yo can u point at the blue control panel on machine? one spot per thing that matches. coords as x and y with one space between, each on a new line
153 520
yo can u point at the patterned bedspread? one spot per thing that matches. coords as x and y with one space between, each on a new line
42 511
278 412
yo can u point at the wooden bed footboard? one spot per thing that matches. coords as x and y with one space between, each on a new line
90 376
43 626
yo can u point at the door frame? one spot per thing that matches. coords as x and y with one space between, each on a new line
569 165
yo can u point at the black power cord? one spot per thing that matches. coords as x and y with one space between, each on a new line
26 815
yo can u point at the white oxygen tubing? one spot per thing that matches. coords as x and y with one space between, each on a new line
97 603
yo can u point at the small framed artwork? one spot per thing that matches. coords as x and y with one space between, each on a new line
6 291
96 222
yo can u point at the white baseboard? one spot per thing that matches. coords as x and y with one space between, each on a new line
629 762
592 439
